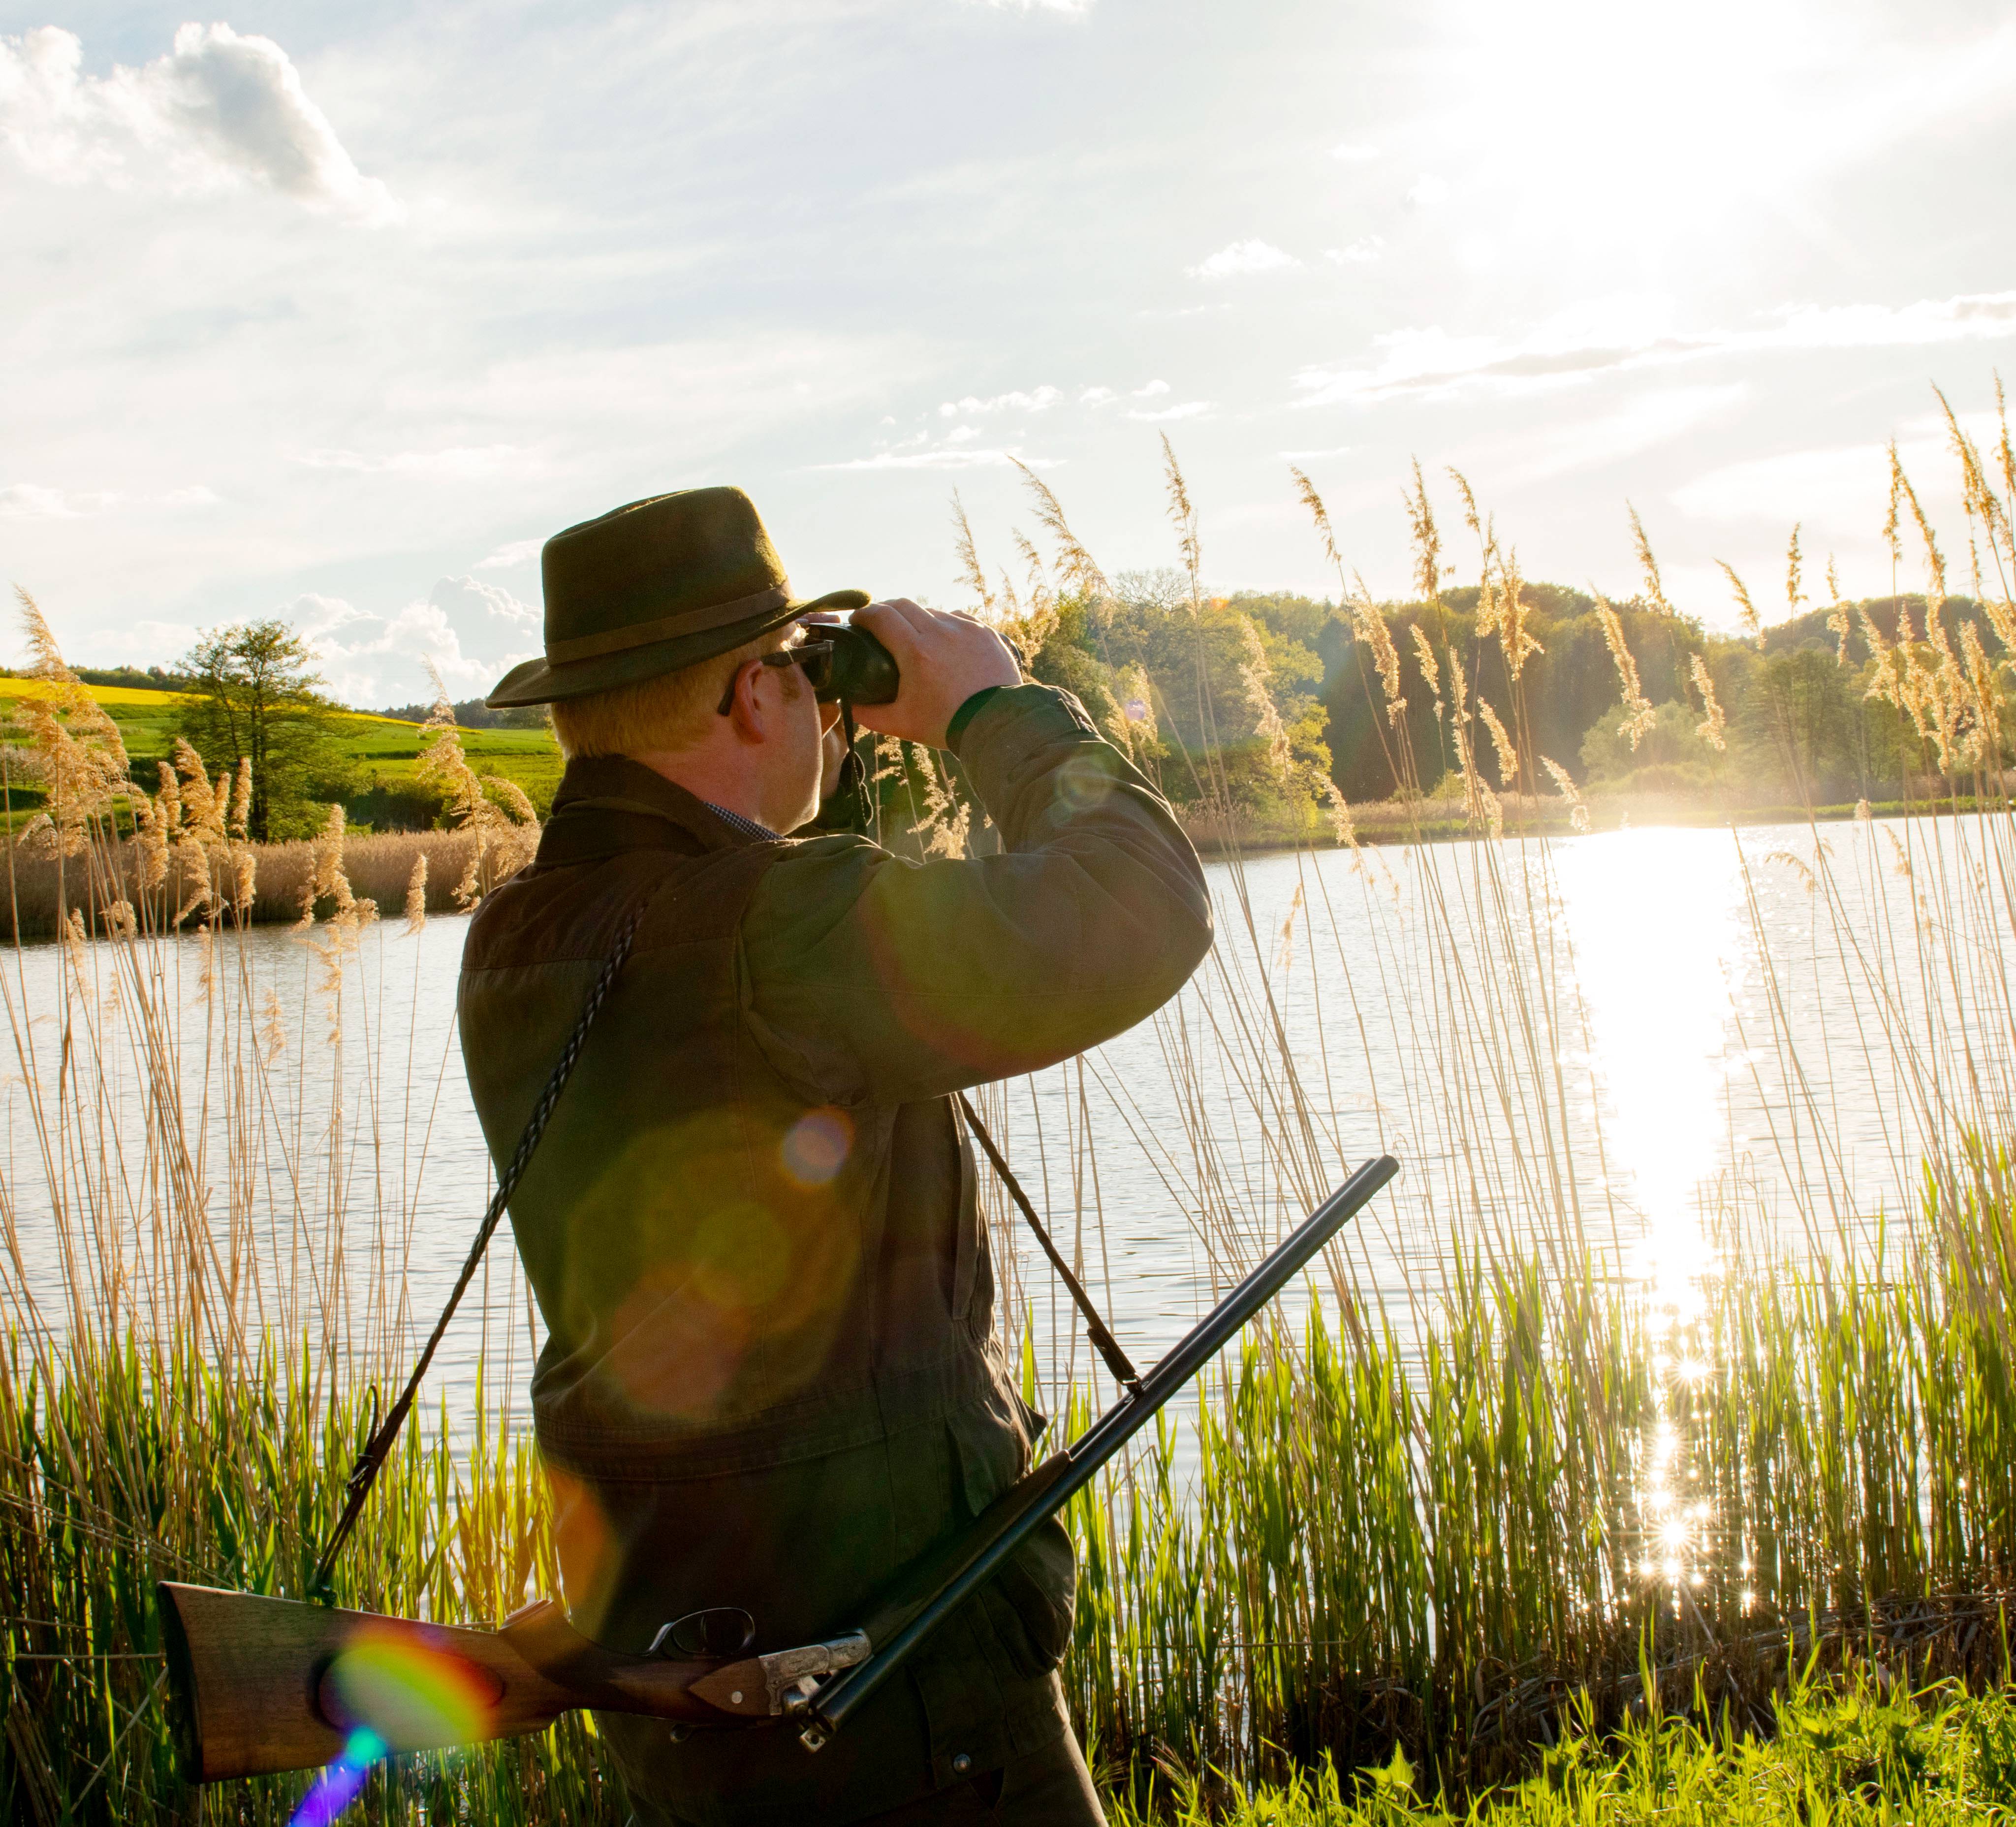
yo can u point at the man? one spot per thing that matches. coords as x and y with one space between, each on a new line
772 1377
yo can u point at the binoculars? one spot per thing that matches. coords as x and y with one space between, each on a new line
857 668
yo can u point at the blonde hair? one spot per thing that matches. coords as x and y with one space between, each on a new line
663 715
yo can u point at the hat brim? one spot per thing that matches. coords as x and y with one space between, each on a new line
539 682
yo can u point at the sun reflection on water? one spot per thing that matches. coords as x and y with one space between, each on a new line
1653 918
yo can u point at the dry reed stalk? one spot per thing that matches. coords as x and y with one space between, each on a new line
1712 726
1655 590
1639 715
1746 609
1564 784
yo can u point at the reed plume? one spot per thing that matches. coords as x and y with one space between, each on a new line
1639 715
1655 590
1711 728
1507 757
1564 785
1746 609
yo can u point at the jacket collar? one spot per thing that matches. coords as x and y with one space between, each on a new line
607 803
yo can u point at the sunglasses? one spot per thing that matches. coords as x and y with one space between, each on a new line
814 657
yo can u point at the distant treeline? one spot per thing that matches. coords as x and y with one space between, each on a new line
473 713
1800 722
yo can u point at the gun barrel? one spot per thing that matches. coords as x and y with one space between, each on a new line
1018 1513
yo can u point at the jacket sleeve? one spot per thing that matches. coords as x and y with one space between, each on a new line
871 977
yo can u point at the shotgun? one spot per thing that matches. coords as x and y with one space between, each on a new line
260 1685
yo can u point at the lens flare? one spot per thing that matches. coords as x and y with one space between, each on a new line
341 1783
815 1148
400 1691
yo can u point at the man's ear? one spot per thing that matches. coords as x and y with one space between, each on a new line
751 712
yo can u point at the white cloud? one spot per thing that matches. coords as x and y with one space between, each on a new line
219 112
1618 336
1041 400
1842 489
1154 390
473 632
961 457
515 552
1428 191
1239 258
168 640
29 501
960 434
458 463
1563 446
1097 396
1066 6
1345 152
1188 409
1362 252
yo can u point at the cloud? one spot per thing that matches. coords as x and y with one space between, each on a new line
164 638
1362 252
1428 191
961 457
197 496
220 112
1154 390
1239 258
1041 400
471 630
515 552
459 463
1066 6
1565 447
1841 490
1618 336
1346 153
29 501
1188 409
1097 396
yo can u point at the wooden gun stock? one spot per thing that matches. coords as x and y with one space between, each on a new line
266 1684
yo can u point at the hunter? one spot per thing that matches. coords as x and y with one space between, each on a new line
772 1376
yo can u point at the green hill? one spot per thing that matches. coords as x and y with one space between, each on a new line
373 760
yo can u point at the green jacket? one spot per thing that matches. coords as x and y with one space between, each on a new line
772 1377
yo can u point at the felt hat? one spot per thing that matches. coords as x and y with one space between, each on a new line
648 588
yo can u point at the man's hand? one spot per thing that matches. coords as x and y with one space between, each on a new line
944 659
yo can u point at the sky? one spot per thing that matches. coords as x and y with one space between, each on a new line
335 313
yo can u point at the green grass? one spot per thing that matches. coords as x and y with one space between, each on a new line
379 754
1861 1750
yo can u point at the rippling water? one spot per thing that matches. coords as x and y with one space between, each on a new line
1706 1044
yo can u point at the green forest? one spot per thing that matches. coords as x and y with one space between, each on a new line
1798 722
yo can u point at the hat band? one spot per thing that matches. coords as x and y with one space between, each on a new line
644 634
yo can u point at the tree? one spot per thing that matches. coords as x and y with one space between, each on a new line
253 696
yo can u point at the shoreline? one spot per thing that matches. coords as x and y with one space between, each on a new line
1384 822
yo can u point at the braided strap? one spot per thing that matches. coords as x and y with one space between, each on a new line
371 1458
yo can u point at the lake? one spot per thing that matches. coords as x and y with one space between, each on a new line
1662 1046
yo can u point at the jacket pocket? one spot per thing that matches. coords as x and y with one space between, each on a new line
1028 1605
